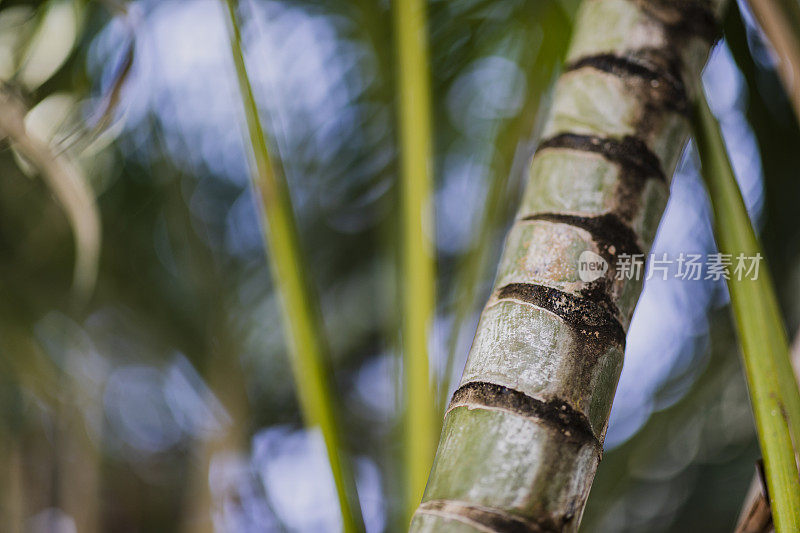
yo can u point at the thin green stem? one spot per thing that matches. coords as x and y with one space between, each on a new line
417 253
773 391
302 322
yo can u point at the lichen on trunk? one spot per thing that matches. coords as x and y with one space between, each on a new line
523 434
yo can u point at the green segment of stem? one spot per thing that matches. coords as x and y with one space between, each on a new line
417 253
773 390
302 322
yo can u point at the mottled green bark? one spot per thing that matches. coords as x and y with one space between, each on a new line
523 434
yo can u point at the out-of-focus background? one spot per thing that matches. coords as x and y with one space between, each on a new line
163 401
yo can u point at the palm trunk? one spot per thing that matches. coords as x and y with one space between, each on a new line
523 434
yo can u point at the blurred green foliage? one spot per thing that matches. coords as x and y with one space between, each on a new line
100 404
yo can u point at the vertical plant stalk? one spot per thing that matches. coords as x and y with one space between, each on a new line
756 515
417 252
477 261
773 390
523 433
780 20
302 322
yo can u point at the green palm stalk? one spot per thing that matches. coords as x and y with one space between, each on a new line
417 253
523 433
302 322
773 391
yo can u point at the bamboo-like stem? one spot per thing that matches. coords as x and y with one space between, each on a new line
469 275
418 276
476 261
780 20
773 390
523 434
467 279
302 323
